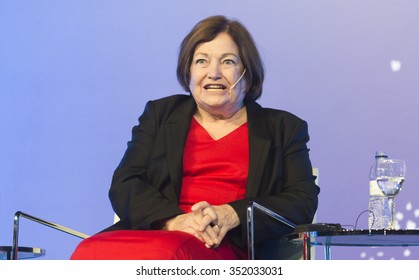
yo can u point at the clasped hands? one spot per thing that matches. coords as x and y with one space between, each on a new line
209 223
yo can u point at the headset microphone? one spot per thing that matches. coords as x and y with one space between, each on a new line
244 71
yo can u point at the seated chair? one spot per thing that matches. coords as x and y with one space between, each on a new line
273 249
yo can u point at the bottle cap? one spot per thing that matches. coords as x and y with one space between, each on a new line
380 154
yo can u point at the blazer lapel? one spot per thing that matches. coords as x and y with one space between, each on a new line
260 143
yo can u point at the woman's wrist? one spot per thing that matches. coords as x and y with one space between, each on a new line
161 224
229 216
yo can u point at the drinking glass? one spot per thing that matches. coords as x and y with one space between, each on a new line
390 176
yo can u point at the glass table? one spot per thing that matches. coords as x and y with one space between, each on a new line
361 237
23 252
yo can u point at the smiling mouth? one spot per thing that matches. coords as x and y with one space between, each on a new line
215 87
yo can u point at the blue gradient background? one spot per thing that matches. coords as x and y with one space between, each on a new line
75 76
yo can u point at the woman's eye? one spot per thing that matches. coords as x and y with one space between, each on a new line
229 62
200 61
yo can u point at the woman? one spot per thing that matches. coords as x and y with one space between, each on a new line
195 161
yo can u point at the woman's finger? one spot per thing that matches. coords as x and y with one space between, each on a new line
210 211
199 206
206 234
208 219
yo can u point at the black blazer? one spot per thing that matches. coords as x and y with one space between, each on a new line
146 185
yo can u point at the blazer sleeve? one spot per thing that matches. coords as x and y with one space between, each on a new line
133 196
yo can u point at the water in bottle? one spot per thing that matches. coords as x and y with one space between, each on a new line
379 206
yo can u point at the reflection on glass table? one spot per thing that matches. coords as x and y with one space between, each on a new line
24 252
356 238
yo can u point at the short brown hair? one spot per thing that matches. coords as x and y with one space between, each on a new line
205 31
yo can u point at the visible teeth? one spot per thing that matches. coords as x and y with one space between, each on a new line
214 87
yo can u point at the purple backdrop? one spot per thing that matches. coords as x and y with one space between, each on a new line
75 75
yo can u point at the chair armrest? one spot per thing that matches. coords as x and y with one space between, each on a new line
250 225
18 214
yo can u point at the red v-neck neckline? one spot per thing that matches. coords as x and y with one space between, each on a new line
225 136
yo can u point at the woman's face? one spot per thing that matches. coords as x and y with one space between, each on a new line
215 68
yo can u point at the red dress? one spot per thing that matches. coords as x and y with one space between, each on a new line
214 171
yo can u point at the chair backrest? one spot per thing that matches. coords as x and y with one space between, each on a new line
312 249
316 173
115 218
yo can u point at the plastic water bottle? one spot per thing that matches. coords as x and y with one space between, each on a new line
380 212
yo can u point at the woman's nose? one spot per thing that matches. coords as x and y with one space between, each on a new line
214 71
